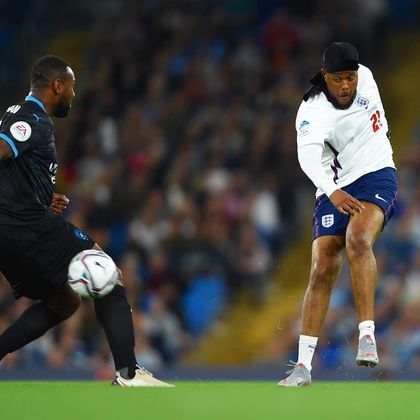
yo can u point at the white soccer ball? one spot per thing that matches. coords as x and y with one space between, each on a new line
92 274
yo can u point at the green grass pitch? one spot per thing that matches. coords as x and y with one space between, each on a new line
210 400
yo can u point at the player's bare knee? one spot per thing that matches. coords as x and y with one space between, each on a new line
322 277
357 245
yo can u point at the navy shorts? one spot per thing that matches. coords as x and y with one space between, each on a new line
35 258
380 188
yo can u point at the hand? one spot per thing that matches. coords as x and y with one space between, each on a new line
346 203
59 203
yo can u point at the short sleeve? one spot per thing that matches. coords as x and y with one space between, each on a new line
20 131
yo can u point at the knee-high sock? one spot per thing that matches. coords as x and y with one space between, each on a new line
32 324
114 314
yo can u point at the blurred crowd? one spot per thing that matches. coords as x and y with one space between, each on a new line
179 158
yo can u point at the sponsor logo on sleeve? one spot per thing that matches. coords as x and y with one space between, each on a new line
304 128
21 130
303 124
327 220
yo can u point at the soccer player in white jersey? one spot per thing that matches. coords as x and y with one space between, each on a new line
344 148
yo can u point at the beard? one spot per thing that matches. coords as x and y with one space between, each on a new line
62 109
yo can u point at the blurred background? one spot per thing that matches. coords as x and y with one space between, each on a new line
179 157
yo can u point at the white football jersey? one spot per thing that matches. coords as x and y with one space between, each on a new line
338 146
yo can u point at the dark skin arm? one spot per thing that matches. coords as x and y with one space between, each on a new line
346 203
5 150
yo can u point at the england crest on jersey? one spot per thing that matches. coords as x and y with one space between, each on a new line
327 220
360 100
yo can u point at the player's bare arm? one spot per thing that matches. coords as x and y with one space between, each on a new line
5 151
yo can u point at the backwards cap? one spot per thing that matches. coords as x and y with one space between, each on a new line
340 56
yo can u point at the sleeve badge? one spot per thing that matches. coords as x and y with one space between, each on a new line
21 130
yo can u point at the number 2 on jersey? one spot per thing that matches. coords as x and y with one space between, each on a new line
376 121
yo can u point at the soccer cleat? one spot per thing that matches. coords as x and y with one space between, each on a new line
142 378
299 376
367 355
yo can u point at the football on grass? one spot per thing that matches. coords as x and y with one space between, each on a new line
92 274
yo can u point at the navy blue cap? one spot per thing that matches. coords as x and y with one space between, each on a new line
340 56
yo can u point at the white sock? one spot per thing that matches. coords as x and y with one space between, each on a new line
367 328
307 346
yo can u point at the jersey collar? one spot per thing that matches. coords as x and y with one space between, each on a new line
37 101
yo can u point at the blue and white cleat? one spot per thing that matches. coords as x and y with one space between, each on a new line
142 378
299 376
367 354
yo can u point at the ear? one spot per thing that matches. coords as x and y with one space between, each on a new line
56 86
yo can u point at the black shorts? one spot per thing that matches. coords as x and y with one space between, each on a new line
35 258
